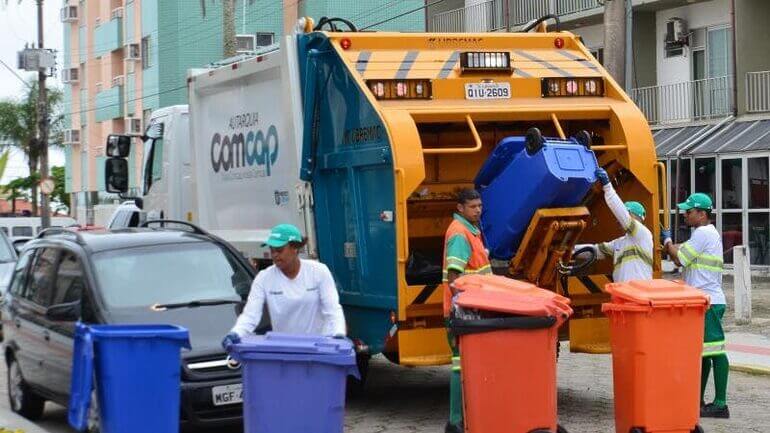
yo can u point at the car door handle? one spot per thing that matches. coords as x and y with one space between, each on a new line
46 336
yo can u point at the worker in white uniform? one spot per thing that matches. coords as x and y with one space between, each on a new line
300 294
632 252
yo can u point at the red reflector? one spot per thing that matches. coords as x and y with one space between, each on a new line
345 43
558 43
235 66
393 318
259 59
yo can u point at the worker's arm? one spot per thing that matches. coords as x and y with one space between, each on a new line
458 252
331 310
252 312
602 250
686 253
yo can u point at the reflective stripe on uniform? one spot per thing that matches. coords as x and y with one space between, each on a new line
633 253
714 348
691 259
631 229
606 249
455 363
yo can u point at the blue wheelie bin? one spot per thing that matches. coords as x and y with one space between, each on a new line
294 383
518 179
137 371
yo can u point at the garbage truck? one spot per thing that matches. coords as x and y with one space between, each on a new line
362 139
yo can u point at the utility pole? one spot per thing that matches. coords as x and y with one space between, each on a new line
615 39
42 123
228 28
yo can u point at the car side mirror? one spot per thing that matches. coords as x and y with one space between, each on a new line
118 146
116 175
18 244
68 312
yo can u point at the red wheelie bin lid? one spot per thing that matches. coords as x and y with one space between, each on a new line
656 293
506 295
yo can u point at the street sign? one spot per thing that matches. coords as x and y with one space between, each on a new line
46 186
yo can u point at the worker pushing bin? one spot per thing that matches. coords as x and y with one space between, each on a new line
656 333
294 383
508 333
137 372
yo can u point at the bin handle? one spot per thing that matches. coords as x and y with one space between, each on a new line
449 150
477 326
401 213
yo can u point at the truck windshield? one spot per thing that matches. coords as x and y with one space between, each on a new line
171 273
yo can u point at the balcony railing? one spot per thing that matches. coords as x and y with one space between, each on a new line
686 101
758 92
482 17
525 11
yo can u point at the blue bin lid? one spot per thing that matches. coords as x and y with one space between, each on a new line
154 331
278 342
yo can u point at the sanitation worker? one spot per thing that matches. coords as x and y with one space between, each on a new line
631 253
464 253
702 262
300 294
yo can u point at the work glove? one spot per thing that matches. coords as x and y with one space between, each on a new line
230 339
602 176
665 236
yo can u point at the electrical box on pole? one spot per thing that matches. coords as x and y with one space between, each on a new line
35 59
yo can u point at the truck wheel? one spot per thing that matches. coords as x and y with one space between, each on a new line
534 141
22 399
356 387
584 137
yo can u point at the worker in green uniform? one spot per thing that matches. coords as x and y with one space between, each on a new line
702 262
464 253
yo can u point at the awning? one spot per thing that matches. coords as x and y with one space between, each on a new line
734 136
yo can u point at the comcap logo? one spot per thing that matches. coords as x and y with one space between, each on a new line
255 148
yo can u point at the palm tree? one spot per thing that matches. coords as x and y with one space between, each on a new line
228 25
18 123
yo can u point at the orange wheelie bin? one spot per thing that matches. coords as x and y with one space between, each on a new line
656 333
508 334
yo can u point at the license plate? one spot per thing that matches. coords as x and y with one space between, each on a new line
488 91
227 394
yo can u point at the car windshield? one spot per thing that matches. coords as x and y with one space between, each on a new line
6 251
171 273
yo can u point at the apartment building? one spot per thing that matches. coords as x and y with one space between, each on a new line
701 76
123 59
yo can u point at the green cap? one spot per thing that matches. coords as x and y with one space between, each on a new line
282 234
636 208
697 200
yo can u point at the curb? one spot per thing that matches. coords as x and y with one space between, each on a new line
751 369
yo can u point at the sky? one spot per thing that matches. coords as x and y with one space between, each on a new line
18 25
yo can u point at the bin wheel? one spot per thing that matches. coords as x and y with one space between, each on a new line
584 137
22 399
636 430
697 429
534 141
560 429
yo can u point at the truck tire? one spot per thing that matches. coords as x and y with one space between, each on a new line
22 399
356 387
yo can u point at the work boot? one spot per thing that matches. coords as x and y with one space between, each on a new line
713 411
452 428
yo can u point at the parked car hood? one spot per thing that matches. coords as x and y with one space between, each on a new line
207 325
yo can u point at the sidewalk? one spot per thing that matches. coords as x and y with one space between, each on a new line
749 353
12 423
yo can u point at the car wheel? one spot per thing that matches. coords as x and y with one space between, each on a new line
22 399
94 416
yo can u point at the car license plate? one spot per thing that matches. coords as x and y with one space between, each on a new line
227 394
488 91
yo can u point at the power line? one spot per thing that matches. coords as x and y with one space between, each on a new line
403 14
15 74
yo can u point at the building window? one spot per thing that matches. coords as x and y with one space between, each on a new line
732 233
759 238
598 54
732 185
146 52
265 39
706 176
680 183
758 185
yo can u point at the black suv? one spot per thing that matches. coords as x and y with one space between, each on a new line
184 277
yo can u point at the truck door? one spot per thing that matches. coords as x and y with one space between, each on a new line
154 177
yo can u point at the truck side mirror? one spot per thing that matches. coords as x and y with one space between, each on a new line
68 312
118 145
116 175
